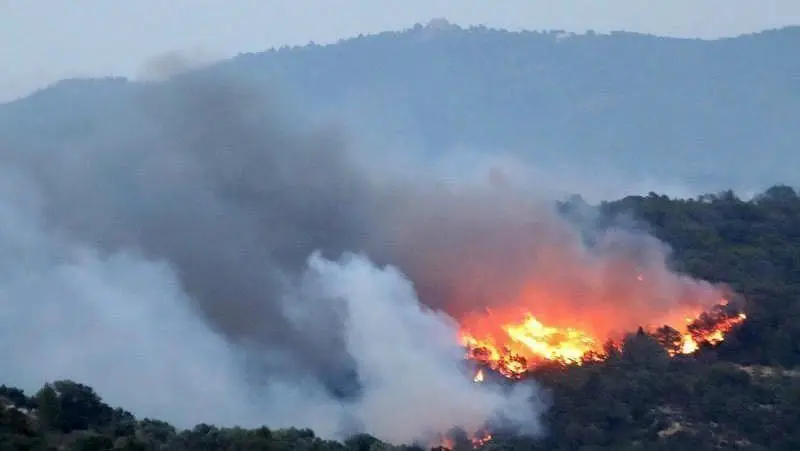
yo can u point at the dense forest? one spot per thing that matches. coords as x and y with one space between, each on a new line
625 102
742 395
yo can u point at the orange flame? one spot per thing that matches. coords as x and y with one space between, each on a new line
477 440
480 440
551 324
513 348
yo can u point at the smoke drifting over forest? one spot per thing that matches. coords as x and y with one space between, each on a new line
248 270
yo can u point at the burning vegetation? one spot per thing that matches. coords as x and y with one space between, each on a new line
523 345
514 339
512 348
475 440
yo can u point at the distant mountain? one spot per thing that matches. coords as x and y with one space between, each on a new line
711 114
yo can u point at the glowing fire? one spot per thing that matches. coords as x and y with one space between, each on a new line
576 323
516 347
481 439
477 440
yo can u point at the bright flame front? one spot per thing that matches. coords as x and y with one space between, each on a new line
523 345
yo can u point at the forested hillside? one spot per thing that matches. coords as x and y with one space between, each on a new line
634 105
741 395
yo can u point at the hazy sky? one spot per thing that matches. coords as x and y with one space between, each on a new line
42 41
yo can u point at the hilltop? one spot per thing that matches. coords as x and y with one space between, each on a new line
707 114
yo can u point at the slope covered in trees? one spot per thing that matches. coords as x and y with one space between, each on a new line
741 395
624 102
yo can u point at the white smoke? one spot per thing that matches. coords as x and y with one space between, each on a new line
122 324
408 358
116 321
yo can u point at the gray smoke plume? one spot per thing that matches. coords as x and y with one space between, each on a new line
196 264
210 260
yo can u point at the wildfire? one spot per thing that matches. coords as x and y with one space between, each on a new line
519 346
574 321
481 439
477 440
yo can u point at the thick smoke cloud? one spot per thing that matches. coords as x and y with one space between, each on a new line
124 324
406 357
210 182
232 264
201 253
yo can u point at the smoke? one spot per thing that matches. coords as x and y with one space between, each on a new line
188 267
407 355
170 64
580 269
212 260
122 323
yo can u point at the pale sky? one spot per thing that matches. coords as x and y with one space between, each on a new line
42 41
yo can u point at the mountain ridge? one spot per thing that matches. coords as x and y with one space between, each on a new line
622 103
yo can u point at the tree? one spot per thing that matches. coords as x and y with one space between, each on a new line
48 408
70 406
643 350
92 442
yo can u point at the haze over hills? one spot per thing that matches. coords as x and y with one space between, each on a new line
623 111
200 252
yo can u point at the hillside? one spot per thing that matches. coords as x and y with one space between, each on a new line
739 396
635 106
197 251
